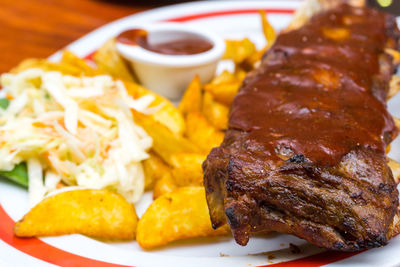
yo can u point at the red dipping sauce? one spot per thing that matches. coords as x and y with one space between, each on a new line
190 45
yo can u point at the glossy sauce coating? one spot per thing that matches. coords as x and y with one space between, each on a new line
321 91
188 46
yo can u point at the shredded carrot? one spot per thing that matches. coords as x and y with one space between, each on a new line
9 97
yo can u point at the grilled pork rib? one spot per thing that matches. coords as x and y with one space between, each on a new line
305 150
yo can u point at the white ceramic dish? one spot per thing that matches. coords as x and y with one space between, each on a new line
235 19
169 75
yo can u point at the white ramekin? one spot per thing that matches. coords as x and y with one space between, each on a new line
169 75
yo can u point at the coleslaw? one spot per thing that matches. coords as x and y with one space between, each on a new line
73 131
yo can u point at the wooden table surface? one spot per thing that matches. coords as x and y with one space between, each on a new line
38 28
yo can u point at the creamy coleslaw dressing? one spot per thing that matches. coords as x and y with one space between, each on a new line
74 131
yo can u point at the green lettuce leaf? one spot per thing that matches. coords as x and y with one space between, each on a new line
4 103
18 175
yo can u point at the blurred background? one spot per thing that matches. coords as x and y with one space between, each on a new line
392 6
38 28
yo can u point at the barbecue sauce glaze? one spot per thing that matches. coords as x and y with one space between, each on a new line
321 93
186 46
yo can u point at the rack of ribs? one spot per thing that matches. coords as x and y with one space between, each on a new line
304 152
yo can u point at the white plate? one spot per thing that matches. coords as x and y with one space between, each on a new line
234 19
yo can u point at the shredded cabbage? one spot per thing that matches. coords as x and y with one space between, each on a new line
73 131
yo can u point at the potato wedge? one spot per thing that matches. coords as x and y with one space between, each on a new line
268 30
170 117
394 86
46 65
167 114
225 86
164 185
71 59
240 74
109 61
97 213
395 55
200 131
26 64
174 216
187 170
223 77
250 61
215 112
191 100
224 92
154 168
395 167
397 124
239 50
165 142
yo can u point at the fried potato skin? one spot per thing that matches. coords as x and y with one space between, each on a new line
182 136
109 61
178 215
187 170
97 213
167 114
192 98
215 112
154 168
239 50
165 142
64 68
224 92
70 58
395 168
70 64
202 133
164 185
268 30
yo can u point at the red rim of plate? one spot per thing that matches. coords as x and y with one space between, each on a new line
37 248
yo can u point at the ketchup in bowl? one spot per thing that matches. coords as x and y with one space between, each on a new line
167 43
166 56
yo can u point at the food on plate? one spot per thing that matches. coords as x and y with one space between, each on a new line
239 50
109 61
70 64
187 45
166 184
304 153
97 213
162 110
44 64
191 100
89 125
77 131
268 30
244 53
215 112
71 59
395 168
224 87
201 132
166 56
180 214
18 175
154 168
176 156
165 142
186 168
394 86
